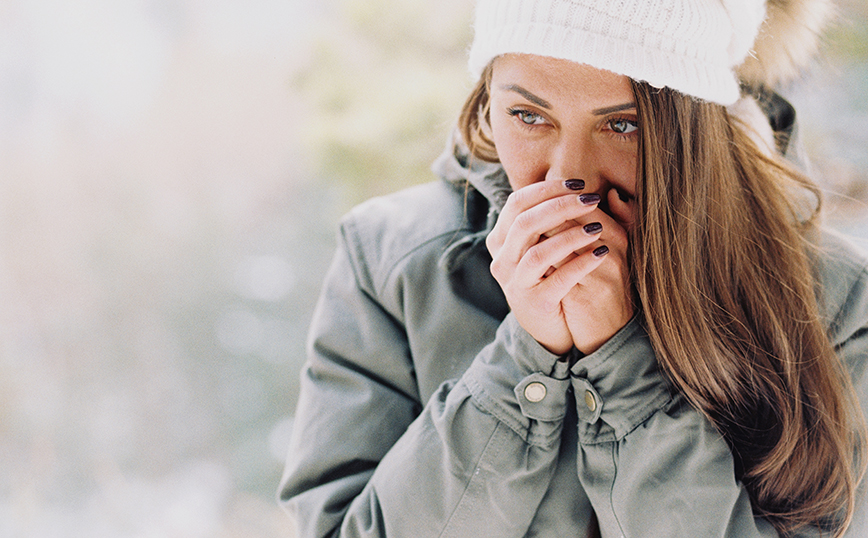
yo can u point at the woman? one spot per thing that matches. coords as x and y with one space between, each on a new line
613 317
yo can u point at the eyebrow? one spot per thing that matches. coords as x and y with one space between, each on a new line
539 101
615 108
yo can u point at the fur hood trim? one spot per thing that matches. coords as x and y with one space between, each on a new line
788 40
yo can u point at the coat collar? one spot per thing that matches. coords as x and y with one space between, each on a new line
458 167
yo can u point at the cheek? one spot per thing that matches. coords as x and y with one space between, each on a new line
619 166
519 168
523 162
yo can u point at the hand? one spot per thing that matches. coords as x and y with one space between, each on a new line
601 303
541 251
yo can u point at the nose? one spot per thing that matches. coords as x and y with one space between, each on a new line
574 157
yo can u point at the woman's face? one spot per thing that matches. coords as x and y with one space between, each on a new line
555 119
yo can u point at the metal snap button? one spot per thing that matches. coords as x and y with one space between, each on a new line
535 392
590 401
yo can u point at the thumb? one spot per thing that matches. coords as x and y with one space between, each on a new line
622 208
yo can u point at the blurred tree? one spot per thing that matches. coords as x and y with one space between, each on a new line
385 84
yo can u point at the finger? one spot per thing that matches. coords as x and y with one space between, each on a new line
543 258
563 226
516 203
530 226
523 199
556 214
535 193
572 273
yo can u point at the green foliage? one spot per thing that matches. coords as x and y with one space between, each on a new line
384 86
848 41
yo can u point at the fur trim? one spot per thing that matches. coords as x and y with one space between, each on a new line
749 112
787 41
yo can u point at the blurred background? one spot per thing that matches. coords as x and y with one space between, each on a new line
171 175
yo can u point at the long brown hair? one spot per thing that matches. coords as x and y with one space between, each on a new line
719 257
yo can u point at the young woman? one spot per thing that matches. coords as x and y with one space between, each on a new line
614 316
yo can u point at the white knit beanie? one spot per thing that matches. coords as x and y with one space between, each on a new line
691 46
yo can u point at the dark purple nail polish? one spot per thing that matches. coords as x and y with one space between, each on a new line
574 184
592 228
589 199
601 251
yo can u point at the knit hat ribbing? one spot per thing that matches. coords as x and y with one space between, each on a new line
689 45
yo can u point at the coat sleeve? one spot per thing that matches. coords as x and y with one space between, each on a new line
368 459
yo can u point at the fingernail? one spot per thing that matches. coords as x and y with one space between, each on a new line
601 251
589 199
592 228
574 184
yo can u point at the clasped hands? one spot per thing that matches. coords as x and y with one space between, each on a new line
562 263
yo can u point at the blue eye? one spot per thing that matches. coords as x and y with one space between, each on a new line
622 126
527 117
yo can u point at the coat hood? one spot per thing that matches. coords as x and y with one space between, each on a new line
458 167
476 178
788 40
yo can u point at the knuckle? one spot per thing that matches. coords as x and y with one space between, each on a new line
524 221
559 277
516 198
563 203
547 304
534 257
492 243
496 267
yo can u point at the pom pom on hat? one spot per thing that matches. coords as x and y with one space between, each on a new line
787 42
746 17
691 46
